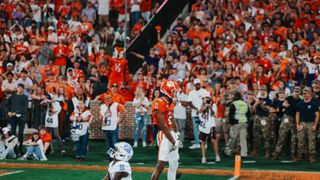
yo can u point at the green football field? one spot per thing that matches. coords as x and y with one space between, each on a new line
144 157
49 174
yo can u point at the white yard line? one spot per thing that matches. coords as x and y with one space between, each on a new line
9 173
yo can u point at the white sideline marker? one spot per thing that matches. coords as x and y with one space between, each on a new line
211 162
248 162
140 163
286 161
10 173
234 178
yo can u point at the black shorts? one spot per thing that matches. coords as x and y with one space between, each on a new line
204 136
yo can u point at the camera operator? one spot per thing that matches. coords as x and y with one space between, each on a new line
207 127
8 143
52 120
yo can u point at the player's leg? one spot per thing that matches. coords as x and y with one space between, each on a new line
163 155
157 171
172 171
203 138
214 142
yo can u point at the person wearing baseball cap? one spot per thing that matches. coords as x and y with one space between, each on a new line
261 122
239 114
195 102
307 119
288 125
180 112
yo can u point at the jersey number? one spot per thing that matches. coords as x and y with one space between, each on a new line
203 125
49 120
107 121
121 167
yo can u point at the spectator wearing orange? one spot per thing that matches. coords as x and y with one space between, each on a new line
61 52
46 138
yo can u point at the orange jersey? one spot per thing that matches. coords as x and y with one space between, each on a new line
162 105
46 137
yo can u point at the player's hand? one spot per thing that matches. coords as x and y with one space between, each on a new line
174 147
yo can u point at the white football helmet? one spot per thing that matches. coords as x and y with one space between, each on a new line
122 152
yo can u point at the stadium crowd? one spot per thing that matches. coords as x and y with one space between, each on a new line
54 62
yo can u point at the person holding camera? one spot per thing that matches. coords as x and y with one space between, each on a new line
239 114
207 127
52 120
81 118
262 123
8 143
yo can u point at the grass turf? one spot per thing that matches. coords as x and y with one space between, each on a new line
49 174
146 157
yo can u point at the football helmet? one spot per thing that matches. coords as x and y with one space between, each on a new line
122 152
170 88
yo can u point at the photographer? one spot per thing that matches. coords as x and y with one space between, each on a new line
7 144
207 127
81 118
52 120
239 114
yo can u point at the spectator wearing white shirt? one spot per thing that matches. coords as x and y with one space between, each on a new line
180 112
135 11
182 66
103 11
141 104
9 85
26 81
52 120
111 115
195 101
52 36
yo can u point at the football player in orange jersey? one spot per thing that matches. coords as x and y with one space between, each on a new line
168 135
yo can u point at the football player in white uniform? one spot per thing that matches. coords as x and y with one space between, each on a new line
119 167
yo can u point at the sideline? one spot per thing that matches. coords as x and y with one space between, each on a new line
245 174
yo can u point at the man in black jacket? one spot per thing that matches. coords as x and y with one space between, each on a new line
18 104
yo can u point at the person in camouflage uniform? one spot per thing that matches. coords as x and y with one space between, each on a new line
288 124
307 118
261 122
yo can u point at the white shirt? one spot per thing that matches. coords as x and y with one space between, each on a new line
110 116
180 112
207 121
103 7
195 97
82 127
36 12
135 6
144 101
52 119
119 166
